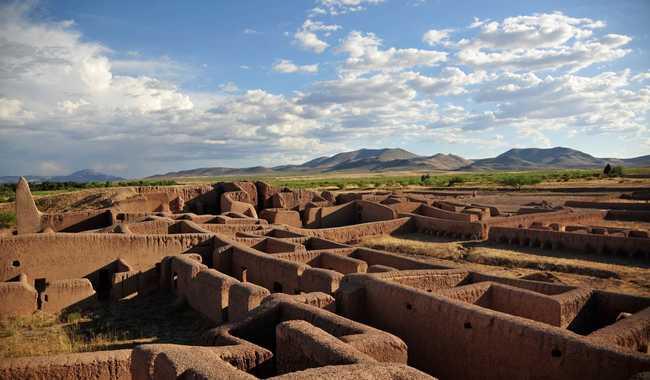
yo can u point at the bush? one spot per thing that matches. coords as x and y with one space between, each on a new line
517 181
7 219
455 180
617 171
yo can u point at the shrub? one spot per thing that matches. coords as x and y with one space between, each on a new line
7 219
455 180
617 171
517 181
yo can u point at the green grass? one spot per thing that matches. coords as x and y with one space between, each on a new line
7 219
352 181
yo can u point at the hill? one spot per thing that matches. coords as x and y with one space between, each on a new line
355 161
382 160
81 176
551 158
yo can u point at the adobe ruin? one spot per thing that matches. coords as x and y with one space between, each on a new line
290 296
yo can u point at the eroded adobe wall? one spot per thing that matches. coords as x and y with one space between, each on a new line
356 232
23 298
445 227
561 216
451 339
78 221
105 365
609 205
582 242
368 212
438 213
63 256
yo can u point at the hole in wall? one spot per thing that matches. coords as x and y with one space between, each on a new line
467 325
556 353
15 263
277 287
409 306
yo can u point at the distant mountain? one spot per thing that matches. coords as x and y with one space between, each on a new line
558 157
384 160
373 160
86 175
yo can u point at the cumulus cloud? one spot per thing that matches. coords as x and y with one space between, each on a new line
96 109
286 66
307 38
435 37
365 54
539 42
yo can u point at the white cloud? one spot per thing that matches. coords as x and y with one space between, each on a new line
338 7
434 37
69 91
250 31
540 42
229 87
364 54
310 41
307 38
12 110
286 66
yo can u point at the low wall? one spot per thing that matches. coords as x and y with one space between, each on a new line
23 298
440 333
104 365
451 228
373 212
61 294
356 232
78 221
582 242
560 216
63 256
609 205
300 345
438 213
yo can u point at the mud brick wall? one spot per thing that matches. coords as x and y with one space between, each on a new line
441 331
588 243
63 256
445 227
356 232
560 216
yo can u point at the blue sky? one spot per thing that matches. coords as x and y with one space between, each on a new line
137 88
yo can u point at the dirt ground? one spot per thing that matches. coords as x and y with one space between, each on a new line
99 326
615 274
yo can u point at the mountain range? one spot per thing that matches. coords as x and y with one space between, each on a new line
86 175
395 159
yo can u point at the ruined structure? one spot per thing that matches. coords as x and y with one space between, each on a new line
291 297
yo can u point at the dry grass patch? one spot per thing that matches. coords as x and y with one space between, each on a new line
103 326
610 273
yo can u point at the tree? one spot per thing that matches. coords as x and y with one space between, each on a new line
517 181
617 171
607 170
425 178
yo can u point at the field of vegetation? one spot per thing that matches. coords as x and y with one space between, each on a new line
515 180
341 181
